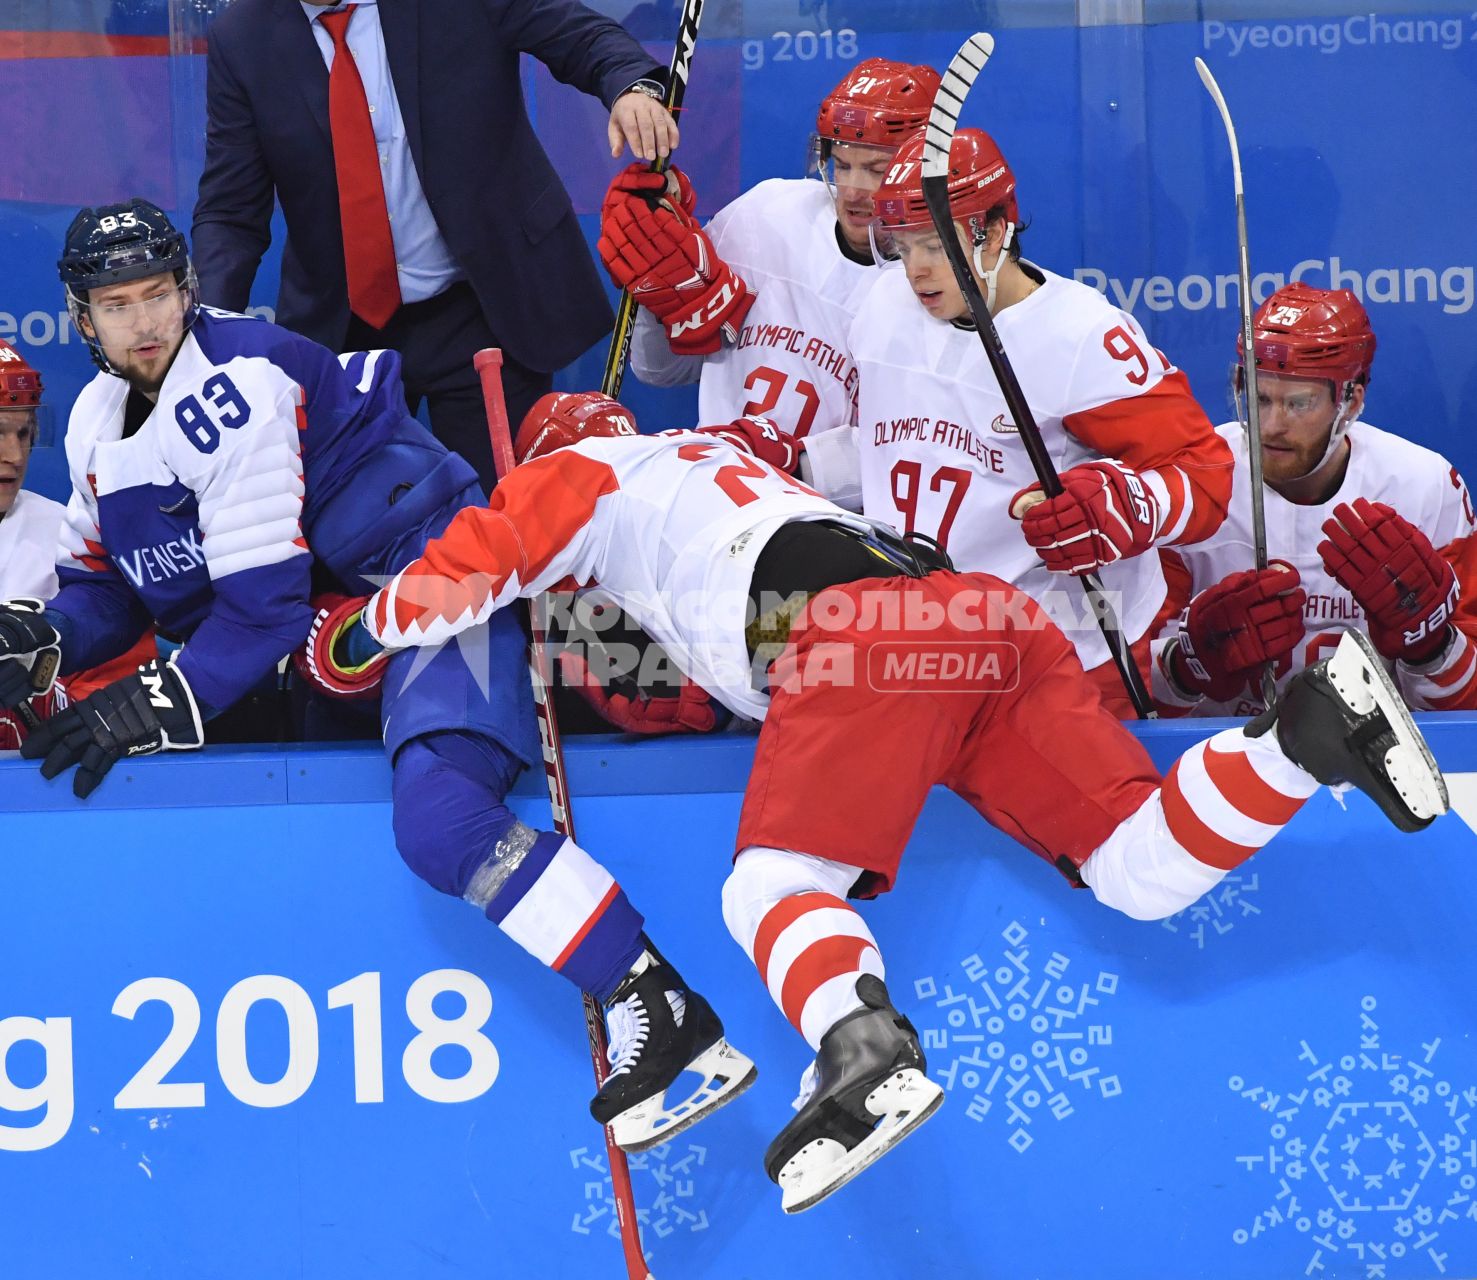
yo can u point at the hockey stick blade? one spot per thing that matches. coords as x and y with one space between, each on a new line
1248 363
943 120
948 102
1207 78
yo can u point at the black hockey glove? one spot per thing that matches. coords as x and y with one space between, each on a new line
151 710
29 652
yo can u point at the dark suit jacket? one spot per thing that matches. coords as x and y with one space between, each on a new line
503 211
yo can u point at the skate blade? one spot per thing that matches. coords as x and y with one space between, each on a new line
726 1073
1359 676
903 1101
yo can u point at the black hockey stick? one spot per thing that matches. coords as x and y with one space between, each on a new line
625 316
1248 359
943 120
489 363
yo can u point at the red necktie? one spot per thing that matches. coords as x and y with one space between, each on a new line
369 250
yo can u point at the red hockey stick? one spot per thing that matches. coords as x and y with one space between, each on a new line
489 363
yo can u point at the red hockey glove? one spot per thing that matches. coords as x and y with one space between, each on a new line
321 660
1104 513
668 263
687 709
1230 630
762 438
673 187
1407 591
13 729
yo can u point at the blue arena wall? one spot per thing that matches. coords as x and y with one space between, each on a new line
1355 128
222 997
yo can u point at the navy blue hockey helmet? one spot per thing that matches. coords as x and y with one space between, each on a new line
115 243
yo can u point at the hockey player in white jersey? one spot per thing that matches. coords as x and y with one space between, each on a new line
1367 530
30 524
755 307
935 450
692 537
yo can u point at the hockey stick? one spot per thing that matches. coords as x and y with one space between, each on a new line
1248 360
28 716
489 364
943 119
625 316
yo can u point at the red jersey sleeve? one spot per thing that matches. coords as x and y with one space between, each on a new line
540 528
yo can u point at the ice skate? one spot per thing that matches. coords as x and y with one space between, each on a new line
865 1092
659 1032
1344 721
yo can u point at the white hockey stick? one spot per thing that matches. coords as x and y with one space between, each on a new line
1248 359
943 120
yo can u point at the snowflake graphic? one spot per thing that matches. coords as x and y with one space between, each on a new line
1026 1043
1218 912
1370 1156
663 1183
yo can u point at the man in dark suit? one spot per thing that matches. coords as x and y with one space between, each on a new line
422 214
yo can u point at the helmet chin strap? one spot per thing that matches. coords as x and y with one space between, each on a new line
993 274
1341 424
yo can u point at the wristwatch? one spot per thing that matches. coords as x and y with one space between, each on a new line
649 87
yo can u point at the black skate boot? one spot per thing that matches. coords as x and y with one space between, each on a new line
660 1030
868 1089
1344 721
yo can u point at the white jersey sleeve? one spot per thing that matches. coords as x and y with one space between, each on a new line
652 357
831 464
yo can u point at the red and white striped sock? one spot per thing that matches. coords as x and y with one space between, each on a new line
1227 796
788 912
1222 801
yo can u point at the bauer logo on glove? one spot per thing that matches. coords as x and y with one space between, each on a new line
330 659
1105 512
1407 589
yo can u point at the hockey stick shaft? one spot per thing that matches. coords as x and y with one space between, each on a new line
943 120
28 717
1248 361
625 316
489 363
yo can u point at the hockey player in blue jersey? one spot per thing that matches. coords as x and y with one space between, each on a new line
223 469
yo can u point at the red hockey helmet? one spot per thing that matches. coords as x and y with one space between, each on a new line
1305 332
979 180
567 417
20 384
878 103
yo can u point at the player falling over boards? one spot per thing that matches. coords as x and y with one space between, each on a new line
221 468
688 532
1366 529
